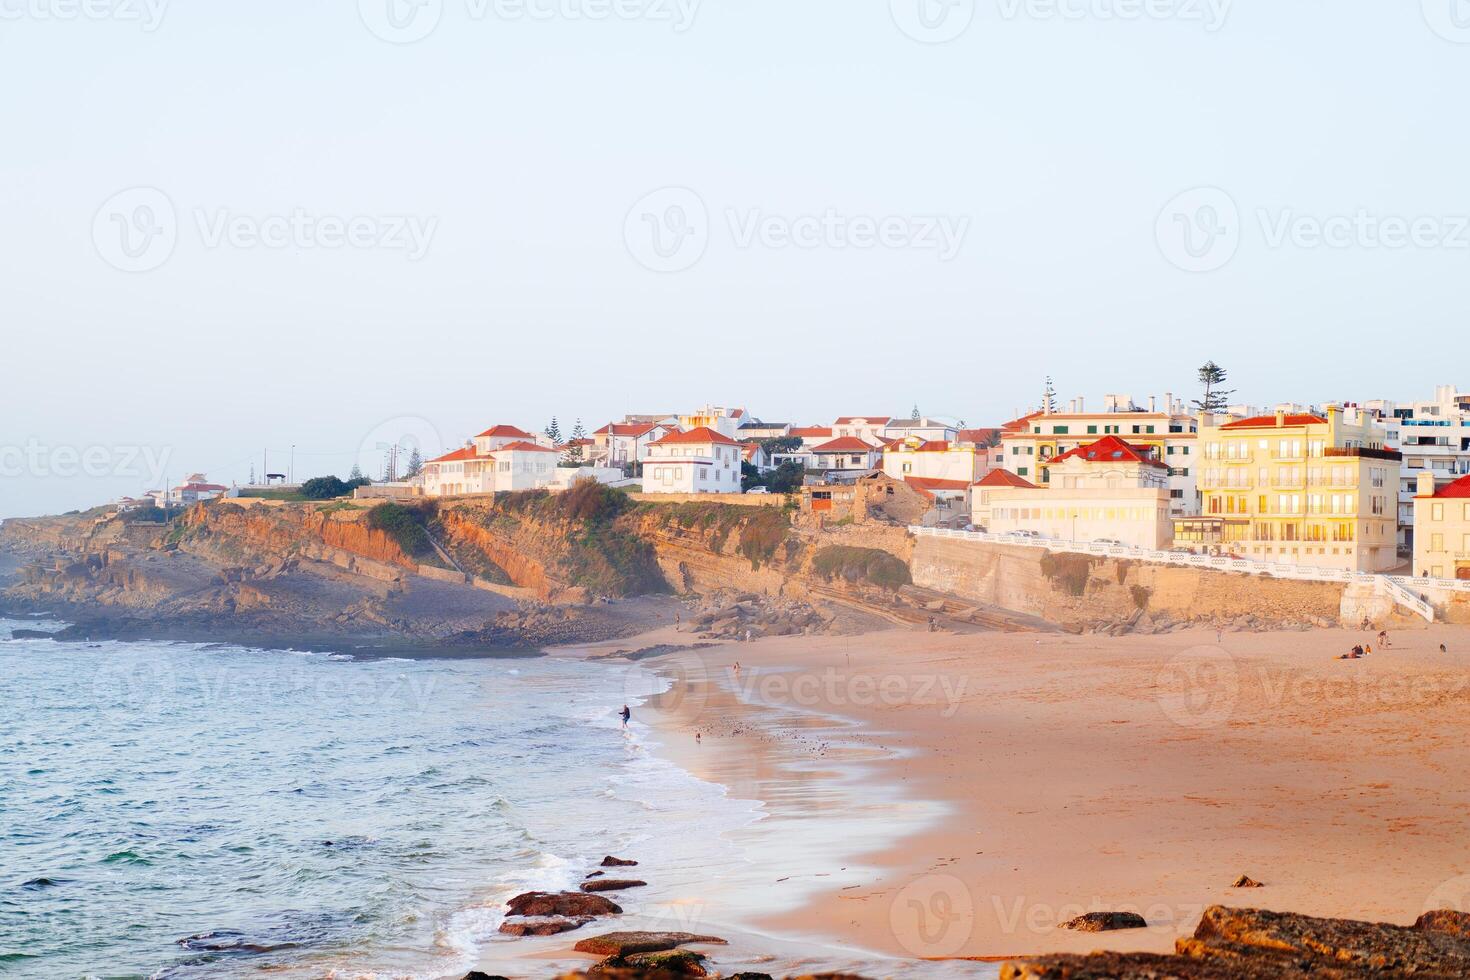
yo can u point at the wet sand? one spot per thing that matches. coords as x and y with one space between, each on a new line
1016 780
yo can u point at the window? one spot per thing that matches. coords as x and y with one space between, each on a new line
1092 430
1436 512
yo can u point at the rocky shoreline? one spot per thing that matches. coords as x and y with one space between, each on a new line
1228 944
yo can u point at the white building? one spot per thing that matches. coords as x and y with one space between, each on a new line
931 429
927 459
1434 437
626 443
846 455
698 461
725 421
868 428
495 462
195 488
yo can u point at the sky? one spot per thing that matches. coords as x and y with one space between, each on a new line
234 229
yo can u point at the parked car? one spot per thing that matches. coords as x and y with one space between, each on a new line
759 490
1112 541
1026 534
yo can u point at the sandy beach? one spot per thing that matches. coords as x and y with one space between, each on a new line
979 789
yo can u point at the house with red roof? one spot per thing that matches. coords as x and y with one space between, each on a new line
500 459
698 461
845 455
195 488
1442 528
1106 490
725 421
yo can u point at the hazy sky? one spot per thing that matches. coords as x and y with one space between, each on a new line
228 227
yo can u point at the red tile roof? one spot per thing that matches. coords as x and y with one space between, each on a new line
700 436
504 432
454 456
1109 449
1005 478
977 436
812 431
878 419
523 447
1269 421
1020 424
1460 488
845 444
927 484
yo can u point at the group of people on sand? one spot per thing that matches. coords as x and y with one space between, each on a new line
1361 650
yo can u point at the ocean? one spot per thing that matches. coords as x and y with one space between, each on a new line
181 810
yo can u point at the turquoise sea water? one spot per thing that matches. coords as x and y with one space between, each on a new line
181 810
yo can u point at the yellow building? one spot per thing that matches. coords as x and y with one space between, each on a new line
1302 489
1442 528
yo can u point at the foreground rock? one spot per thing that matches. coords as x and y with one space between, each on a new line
611 884
612 862
1105 922
541 925
568 905
1246 881
626 944
1253 943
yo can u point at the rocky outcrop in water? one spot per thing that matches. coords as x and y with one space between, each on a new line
569 905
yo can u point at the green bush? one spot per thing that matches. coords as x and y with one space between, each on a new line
870 565
402 525
324 488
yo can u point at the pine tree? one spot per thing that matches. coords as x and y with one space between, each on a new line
415 463
356 474
553 432
579 433
914 415
1216 398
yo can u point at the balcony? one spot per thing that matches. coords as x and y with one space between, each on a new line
1363 452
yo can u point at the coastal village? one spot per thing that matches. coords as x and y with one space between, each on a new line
1374 487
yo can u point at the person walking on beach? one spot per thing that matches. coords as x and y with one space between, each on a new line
625 714
1383 638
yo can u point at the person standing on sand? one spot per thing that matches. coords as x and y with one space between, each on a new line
625 714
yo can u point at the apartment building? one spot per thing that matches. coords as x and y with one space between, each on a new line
1302 488
1433 436
1030 442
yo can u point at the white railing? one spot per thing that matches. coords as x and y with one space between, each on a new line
1400 589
